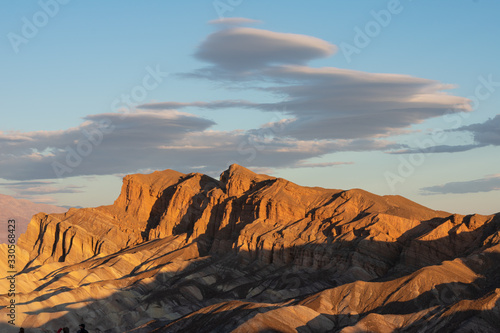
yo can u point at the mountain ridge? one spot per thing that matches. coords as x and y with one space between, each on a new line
179 252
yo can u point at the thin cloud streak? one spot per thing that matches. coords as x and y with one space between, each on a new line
487 184
483 134
233 21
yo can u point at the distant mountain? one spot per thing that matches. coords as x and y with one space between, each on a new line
21 210
254 253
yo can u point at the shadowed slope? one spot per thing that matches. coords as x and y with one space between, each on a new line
173 246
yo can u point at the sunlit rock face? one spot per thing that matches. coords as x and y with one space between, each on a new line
253 253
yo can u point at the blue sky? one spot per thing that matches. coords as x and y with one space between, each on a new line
395 97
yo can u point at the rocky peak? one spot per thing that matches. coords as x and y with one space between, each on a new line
237 180
140 192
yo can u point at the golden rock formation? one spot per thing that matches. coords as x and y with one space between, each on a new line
250 253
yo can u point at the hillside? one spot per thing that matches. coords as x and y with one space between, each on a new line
254 253
21 210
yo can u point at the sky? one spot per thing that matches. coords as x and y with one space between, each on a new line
394 97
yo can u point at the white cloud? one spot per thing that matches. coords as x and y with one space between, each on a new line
103 143
332 103
322 103
124 143
240 49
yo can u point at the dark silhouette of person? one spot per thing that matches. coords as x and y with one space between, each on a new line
66 329
82 329
21 330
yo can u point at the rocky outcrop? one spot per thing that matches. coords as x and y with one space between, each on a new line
248 252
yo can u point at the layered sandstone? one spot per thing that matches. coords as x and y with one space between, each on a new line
248 252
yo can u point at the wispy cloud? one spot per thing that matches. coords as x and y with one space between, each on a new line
482 134
233 21
487 133
320 165
27 184
487 184
214 105
40 191
44 190
438 149
158 140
